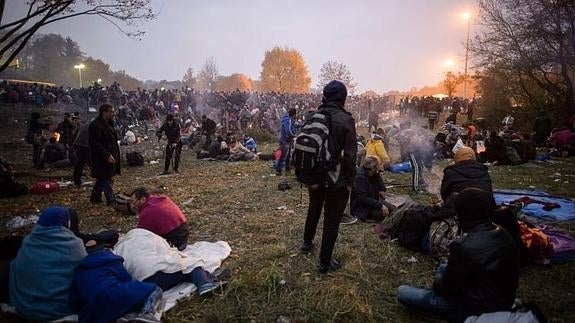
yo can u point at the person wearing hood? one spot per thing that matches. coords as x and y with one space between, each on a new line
104 154
287 133
482 272
375 147
344 149
42 272
103 291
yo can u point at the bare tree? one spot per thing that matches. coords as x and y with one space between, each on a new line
333 70
533 43
451 82
14 35
208 75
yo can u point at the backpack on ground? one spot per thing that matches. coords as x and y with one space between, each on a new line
122 205
311 155
134 159
441 234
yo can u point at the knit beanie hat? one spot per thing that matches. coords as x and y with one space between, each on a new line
464 153
335 91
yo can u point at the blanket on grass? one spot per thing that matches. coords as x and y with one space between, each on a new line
566 211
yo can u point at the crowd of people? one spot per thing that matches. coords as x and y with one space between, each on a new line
317 140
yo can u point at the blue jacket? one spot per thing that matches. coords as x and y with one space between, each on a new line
102 289
251 144
287 131
41 273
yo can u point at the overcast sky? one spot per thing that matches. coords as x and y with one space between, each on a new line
387 44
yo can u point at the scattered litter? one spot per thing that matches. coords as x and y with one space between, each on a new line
531 186
283 282
411 260
557 175
188 202
153 162
88 183
20 221
64 184
566 182
556 180
281 208
283 319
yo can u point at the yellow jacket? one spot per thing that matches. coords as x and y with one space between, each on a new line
375 148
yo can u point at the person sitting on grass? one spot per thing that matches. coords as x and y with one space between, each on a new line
103 291
239 152
55 154
368 193
151 259
466 172
160 215
250 144
42 272
482 271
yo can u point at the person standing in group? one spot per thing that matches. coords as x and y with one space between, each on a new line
104 154
208 129
287 133
81 147
174 145
333 190
34 135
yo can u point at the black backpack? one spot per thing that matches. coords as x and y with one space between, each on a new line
135 159
311 155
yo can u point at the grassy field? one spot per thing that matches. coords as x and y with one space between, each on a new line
239 203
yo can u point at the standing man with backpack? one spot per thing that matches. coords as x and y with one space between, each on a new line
287 133
324 159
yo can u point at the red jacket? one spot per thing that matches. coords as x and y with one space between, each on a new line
160 215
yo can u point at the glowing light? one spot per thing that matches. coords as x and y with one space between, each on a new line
466 16
449 63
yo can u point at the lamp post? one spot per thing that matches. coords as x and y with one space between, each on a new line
80 67
466 16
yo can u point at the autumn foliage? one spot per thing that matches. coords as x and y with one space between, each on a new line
284 70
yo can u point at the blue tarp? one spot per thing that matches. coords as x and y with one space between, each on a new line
564 213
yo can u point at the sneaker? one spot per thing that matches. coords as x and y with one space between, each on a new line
334 265
306 247
348 219
208 289
222 275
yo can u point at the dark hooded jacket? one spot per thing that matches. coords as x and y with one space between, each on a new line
103 143
467 173
365 194
102 289
482 272
342 134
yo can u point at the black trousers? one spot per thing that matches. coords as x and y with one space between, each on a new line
82 158
333 202
175 151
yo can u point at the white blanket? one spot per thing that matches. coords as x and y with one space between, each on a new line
206 254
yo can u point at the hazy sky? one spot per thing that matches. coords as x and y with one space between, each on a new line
387 44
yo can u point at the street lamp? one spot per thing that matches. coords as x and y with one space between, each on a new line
449 64
80 67
466 16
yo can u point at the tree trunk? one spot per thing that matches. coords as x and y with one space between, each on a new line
2 3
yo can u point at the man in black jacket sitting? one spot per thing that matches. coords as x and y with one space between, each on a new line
466 172
482 272
368 193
